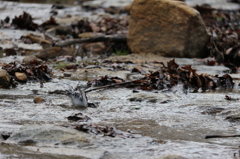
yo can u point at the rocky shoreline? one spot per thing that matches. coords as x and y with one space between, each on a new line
139 105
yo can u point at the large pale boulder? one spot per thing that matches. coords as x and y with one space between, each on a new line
169 27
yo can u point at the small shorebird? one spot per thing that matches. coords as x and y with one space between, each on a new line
78 97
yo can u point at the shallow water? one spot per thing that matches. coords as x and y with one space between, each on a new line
169 123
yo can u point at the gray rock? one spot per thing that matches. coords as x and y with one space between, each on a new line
63 30
171 28
51 53
48 135
5 79
150 98
31 59
171 157
95 48
108 155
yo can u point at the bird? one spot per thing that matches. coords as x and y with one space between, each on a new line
78 97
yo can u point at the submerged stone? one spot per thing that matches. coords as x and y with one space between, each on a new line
171 28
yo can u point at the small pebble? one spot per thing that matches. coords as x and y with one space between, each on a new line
21 76
38 100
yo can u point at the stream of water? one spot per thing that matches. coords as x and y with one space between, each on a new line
165 123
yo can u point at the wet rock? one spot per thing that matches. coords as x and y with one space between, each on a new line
51 53
49 23
71 66
109 155
168 27
67 74
38 100
31 60
4 136
79 117
97 48
31 38
63 30
172 157
27 143
213 111
21 76
65 59
234 117
143 97
135 99
5 79
10 52
104 130
48 134
58 5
